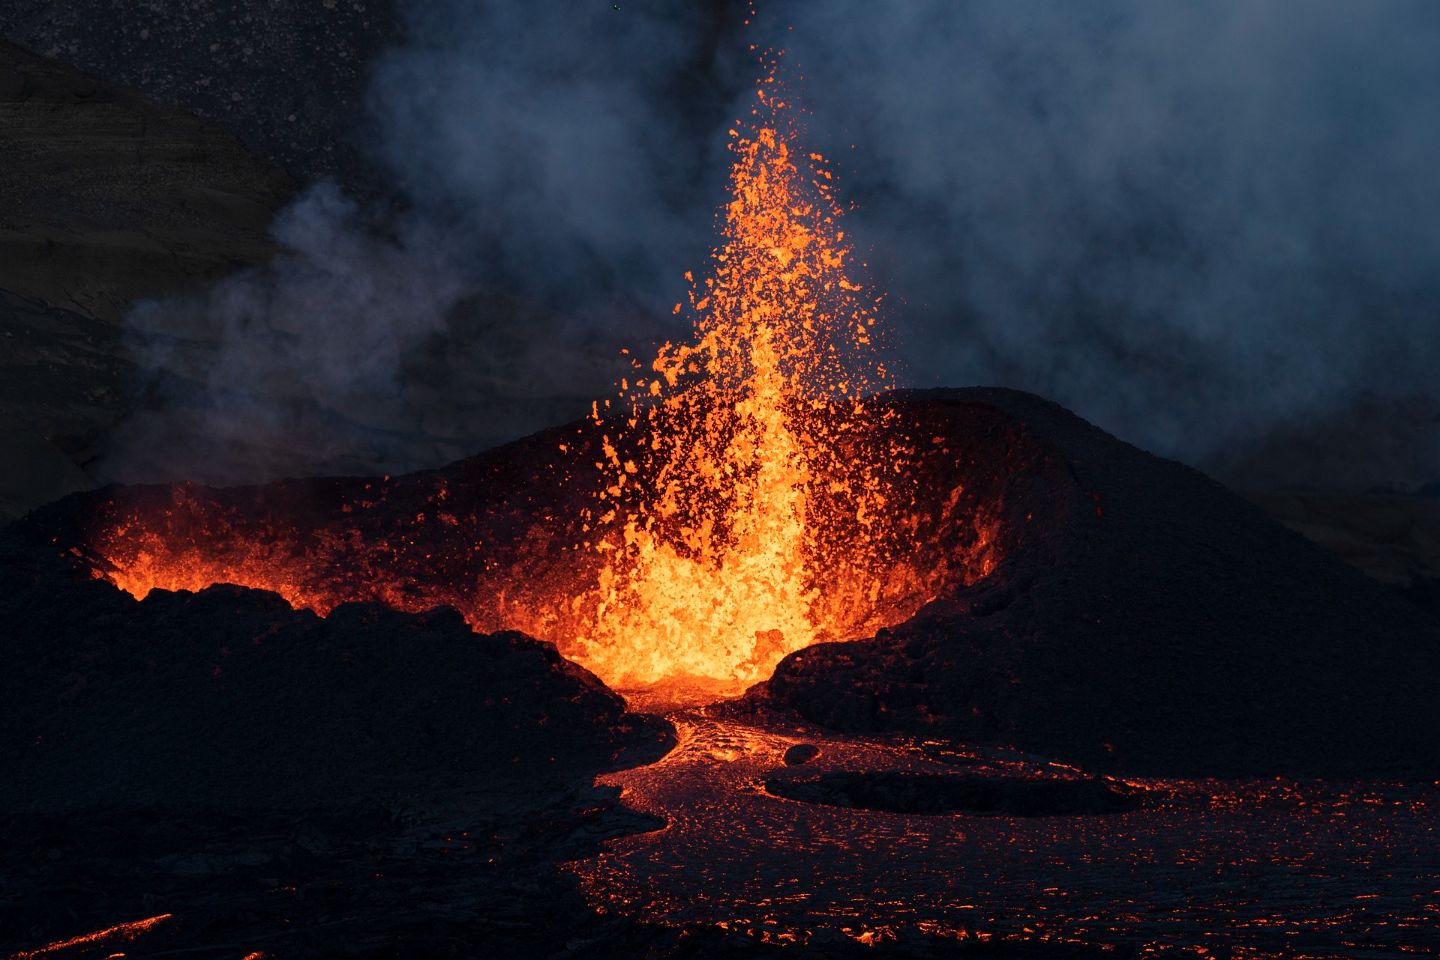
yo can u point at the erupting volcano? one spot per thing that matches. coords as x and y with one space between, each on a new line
758 507
767 652
750 496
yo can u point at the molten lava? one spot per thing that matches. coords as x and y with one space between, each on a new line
723 548
750 493
120 932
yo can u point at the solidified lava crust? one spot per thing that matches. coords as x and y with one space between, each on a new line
230 699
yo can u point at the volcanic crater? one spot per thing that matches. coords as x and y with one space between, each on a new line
1055 590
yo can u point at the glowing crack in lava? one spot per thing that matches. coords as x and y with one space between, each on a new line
751 492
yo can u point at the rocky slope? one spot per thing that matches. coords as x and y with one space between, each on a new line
230 699
1393 537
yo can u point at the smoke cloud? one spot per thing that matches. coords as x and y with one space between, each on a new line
551 173
296 365
1204 225
1213 228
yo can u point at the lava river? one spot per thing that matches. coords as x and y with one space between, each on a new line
1192 868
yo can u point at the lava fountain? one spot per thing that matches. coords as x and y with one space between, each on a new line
715 574
748 493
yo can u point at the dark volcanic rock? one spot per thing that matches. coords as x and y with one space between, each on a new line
1424 592
1394 538
801 753
1141 618
231 698
64 381
104 197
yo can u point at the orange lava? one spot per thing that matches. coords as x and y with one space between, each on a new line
119 932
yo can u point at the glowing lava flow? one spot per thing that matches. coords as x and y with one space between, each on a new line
716 574
120 932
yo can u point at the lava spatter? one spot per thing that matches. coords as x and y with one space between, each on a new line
727 537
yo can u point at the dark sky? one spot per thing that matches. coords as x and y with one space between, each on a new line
1211 227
